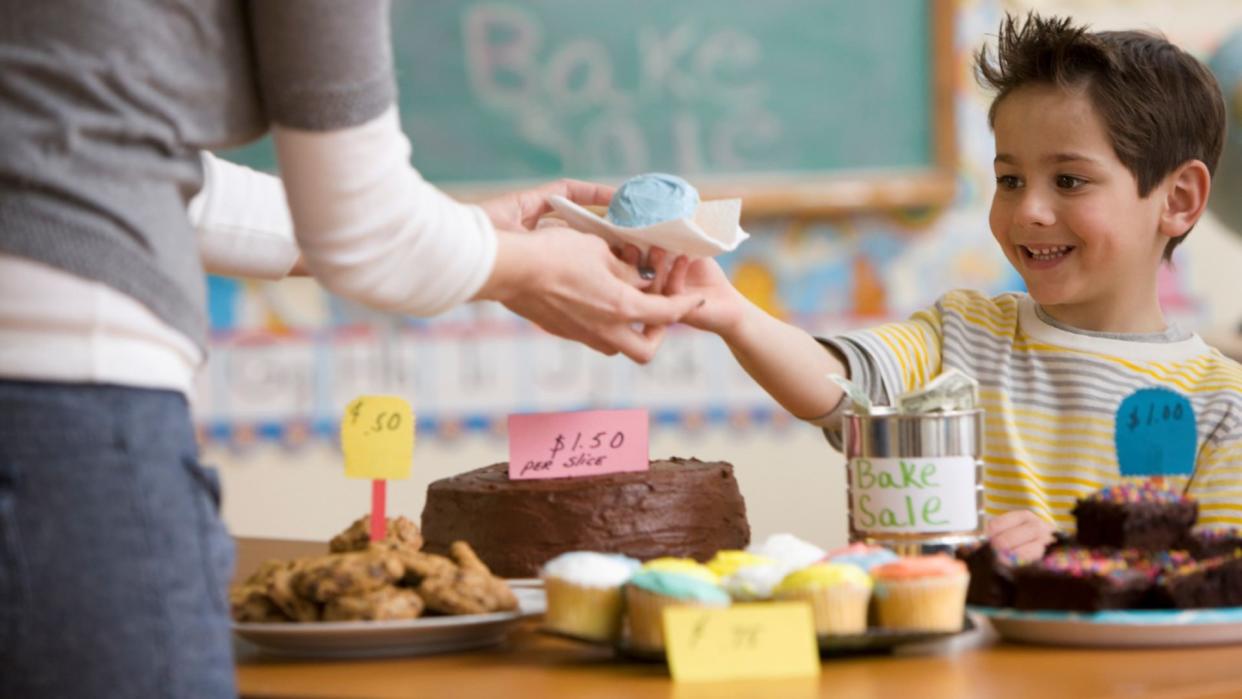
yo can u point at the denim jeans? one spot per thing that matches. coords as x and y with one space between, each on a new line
113 558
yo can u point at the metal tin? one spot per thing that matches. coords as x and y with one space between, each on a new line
951 441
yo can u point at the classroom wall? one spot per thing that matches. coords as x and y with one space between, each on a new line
792 481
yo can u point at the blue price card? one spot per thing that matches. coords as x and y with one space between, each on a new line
1155 434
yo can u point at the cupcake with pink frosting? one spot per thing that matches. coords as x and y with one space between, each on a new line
921 593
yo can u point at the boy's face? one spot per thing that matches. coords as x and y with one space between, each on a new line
1067 212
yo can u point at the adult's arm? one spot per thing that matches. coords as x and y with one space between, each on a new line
371 229
242 222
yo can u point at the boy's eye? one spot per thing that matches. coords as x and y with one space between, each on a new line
1008 181
1069 182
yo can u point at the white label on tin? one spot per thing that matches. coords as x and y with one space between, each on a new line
914 495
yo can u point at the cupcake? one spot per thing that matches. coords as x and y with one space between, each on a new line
646 200
753 583
729 561
837 592
584 593
788 550
923 593
862 555
649 592
682 566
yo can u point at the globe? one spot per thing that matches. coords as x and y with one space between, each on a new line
1226 201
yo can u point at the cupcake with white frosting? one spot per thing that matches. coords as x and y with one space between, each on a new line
789 551
584 593
755 582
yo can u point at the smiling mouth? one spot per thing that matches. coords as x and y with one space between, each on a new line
1045 253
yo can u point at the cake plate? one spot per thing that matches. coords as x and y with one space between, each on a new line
1127 628
374 639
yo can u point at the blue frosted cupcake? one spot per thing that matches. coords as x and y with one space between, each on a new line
645 200
650 591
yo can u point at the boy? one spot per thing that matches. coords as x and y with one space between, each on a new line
1105 145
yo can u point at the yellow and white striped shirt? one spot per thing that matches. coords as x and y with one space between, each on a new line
1051 396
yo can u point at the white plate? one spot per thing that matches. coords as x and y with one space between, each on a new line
1137 628
715 228
370 639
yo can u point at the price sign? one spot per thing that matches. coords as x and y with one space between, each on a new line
744 641
377 437
1156 434
584 443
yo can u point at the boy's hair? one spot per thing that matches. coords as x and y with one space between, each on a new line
1161 106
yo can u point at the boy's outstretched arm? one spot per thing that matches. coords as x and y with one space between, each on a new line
785 360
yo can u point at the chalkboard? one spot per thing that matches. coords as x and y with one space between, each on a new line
795 105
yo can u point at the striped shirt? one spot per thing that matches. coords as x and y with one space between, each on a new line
1051 396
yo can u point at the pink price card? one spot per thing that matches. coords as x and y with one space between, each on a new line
570 445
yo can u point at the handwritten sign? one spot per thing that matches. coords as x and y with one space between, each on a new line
1156 434
585 443
914 495
744 641
377 437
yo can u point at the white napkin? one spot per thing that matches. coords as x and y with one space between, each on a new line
713 230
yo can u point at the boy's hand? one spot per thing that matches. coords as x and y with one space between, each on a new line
1021 533
723 307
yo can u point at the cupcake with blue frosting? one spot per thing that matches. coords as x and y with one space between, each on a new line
646 200
649 592
862 555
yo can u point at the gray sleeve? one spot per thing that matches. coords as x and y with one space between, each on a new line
323 64
865 371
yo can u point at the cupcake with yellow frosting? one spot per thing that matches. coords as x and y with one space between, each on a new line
682 566
729 561
922 593
649 592
837 592
584 593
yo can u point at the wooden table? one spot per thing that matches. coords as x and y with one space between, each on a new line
531 664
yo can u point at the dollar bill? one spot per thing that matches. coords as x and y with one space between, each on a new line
952 390
862 402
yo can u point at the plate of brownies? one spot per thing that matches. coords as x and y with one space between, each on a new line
1119 628
1134 574
369 599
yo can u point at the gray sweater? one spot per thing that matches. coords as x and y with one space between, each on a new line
104 105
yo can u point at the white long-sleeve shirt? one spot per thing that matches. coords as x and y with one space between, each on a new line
368 226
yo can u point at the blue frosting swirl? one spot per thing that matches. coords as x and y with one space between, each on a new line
645 200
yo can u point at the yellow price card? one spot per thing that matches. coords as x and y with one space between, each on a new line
377 436
745 641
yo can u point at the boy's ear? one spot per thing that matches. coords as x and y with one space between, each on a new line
1186 194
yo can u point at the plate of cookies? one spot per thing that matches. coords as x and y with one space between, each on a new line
1135 574
373 599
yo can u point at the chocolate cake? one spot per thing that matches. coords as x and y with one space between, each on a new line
680 507
1149 515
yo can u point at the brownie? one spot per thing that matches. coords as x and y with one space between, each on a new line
1080 580
1211 543
991 575
1148 515
1214 582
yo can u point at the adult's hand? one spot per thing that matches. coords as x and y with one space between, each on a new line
520 211
572 285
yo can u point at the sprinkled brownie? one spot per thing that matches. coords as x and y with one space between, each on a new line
1150 515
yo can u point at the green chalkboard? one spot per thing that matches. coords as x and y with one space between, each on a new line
794 104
